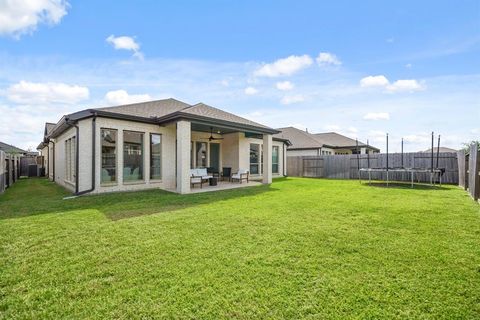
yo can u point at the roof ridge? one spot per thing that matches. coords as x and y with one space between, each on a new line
137 103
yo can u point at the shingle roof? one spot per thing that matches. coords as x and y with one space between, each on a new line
7 148
299 138
149 109
165 111
201 109
337 140
442 149
303 140
49 127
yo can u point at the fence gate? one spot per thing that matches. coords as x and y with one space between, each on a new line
313 167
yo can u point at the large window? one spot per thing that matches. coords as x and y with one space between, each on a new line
201 154
109 156
254 158
70 154
275 158
155 156
132 156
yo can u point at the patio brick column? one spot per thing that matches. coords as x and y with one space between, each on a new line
267 159
183 156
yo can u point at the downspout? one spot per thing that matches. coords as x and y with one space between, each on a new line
53 160
77 149
48 159
94 131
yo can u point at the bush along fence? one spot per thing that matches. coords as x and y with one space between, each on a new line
469 170
347 166
9 169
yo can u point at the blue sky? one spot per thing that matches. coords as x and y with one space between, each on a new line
359 68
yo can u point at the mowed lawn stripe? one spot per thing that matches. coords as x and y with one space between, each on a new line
300 248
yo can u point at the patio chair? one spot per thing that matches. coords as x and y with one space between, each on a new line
199 176
226 173
241 175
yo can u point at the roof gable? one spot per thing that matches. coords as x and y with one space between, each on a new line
149 109
204 110
337 140
299 138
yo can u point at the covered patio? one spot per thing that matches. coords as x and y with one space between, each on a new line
218 145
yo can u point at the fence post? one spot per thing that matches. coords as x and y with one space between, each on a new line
474 167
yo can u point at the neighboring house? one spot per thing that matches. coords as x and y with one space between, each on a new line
45 151
8 148
304 143
154 145
442 149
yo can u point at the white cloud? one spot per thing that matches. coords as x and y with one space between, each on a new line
408 66
352 130
332 127
423 138
292 99
23 17
284 85
125 43
409 85
374 81
250 91
391 40
284 67
405 86
119 97
327 59
377 116
48 92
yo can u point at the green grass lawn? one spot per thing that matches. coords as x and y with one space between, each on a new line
300 248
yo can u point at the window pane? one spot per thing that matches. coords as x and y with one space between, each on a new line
109 155
132 156
275 159
155 156
254 158
201 154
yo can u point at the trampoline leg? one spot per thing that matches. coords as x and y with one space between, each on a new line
411 174
369 177
387 178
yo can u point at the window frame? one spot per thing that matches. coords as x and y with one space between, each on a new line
151 156
109 183
278 160
142 180
259 157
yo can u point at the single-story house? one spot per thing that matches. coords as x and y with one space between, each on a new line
442 149
10 149
304 143
155 144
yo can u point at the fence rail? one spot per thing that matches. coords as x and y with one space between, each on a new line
346 166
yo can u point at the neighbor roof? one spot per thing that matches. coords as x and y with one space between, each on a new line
164 111
8 148
337 140
442 149
300 139
303 140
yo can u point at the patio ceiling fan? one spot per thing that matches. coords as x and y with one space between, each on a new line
212 138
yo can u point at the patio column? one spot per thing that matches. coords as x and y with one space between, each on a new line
183 156
267 159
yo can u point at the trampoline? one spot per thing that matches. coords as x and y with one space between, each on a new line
436 173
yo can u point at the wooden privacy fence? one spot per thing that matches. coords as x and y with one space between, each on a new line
346 166
9 169
469 170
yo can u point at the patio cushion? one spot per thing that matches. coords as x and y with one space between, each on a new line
200 172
